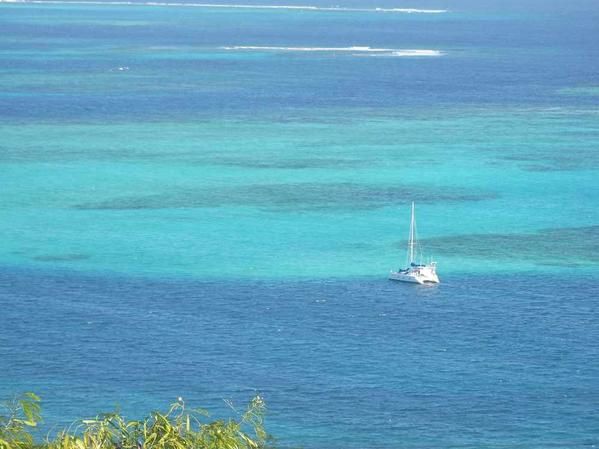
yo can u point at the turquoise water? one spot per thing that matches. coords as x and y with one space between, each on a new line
221 192
315 199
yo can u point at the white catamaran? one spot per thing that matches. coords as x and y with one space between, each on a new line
419 273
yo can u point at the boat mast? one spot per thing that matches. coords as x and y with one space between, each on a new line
411 242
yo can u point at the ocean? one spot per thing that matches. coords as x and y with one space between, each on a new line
205 199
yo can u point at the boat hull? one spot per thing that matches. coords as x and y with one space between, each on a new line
423 275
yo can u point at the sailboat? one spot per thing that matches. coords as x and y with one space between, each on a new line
419 273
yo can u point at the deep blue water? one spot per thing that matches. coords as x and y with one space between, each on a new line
478 361
205 202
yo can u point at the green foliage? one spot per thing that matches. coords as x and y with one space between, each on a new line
179 428
22 413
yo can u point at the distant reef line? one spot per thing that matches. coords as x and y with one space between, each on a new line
237 6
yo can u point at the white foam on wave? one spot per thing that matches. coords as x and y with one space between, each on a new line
356 50
233 6
412 53
318 49
412 10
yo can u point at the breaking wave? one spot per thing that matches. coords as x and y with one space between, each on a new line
323 49
407 53
244 6
360 51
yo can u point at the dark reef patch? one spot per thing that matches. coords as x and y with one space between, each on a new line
61 257
556 159
60 153
555 246
288 164
292 197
